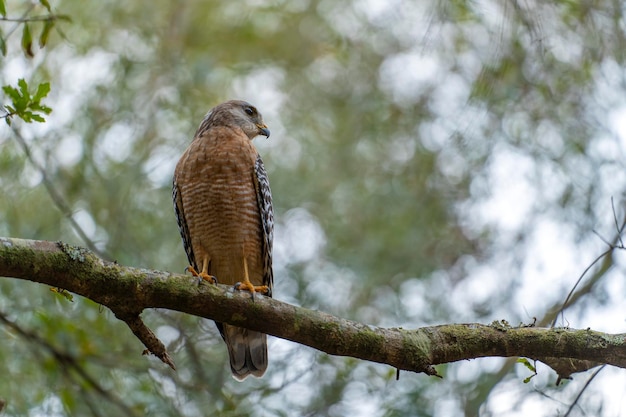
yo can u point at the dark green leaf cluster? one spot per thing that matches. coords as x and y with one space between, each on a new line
48 23
25 105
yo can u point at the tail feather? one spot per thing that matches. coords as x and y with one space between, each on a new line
247 350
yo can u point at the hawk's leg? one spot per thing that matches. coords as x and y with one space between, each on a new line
246 285
203 275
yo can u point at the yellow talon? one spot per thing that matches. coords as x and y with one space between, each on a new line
246 285
202 275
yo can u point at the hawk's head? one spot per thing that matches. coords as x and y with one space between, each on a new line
236 113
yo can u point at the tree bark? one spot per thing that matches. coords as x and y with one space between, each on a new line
128 291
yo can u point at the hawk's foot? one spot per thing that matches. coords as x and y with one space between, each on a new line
202 276
247 286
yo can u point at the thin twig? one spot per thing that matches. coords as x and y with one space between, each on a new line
595 232
619 229
57 197
147 337
7 114
571 407
47 18
68 362
571 292
612 247
10 32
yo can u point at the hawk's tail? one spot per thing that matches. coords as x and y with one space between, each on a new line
247 350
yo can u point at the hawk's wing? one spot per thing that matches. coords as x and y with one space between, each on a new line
182 224
264 201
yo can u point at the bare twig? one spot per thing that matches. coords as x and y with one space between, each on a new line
67 361
7 114
573 404
147 337
612 246
618 229
57 197
24 19
571 292
10 32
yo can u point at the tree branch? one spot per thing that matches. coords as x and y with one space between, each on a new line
43 18
128 291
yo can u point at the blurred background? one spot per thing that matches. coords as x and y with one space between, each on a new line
431 162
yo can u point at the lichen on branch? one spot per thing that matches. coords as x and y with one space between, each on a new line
128 291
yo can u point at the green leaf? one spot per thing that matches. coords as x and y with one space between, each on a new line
45 4
26 116
21 105
527 364
23 85
45 33
3 8
11 92
530 366
37 118
20 101
23 97
40 108
3 45
42 91
27 41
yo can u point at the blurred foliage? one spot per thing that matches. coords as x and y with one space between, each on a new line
395 126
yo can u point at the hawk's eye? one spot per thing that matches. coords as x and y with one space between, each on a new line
249 111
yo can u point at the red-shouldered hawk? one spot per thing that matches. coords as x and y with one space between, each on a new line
224 210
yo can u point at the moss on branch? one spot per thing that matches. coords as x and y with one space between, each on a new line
128 291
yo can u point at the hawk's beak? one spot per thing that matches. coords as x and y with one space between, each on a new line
263 130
